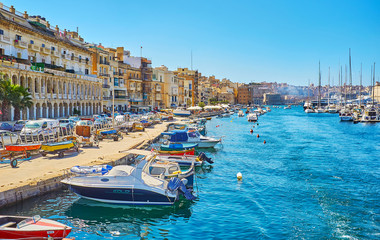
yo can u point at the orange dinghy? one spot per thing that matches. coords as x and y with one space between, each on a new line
23 147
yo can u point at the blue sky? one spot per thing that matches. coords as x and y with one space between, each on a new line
267 40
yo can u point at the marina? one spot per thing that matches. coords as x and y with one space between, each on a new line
330 195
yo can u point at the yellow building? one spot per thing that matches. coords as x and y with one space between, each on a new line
54 65
193 76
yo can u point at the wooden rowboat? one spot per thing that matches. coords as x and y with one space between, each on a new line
23 147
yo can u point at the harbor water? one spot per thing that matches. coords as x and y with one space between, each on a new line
314 178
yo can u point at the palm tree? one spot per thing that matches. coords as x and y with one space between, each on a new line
15 95
22 99
7 90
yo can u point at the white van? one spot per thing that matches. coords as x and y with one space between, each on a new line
40 130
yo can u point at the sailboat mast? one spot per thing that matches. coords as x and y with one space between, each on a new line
345 85
328 91
373 86
319 87
360 87
340 84
350 73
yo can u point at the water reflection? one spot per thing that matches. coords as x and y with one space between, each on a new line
119 220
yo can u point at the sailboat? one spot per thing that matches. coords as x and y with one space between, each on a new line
309 107
319 109
345 113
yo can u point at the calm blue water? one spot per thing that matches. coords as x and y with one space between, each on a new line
315 178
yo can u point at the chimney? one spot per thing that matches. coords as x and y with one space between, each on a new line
12 9
57 28
25 15
47 24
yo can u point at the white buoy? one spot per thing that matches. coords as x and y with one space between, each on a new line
239 176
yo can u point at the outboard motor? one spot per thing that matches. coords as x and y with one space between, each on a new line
202 156
176 184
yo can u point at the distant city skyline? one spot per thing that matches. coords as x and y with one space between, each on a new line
244 41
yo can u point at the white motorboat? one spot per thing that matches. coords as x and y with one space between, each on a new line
319 110
288 107
345 115
240 113
124 185
309 110
181 112
371 115
252 117
184 136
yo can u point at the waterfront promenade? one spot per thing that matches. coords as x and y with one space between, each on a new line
43 174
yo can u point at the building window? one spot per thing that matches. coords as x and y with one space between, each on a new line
31 42
1 32
18 37
86 71
43 45
53 48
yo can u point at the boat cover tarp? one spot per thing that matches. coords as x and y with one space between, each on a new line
57 143
108 132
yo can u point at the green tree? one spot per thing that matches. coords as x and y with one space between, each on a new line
202 104
7 95
13 95
22 99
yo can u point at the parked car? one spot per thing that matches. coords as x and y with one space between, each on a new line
39 130
6 126
74 118
7 138
66 125
84 123
19 125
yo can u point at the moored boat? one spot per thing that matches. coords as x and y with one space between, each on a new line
180 112
57 146
17 227
178 146
178 153
183 136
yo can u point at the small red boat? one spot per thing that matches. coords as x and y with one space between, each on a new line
23 147
15 227
181 152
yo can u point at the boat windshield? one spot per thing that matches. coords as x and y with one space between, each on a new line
28 221
33 125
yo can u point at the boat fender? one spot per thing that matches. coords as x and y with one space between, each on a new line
258 135
177 172
251 131
265 142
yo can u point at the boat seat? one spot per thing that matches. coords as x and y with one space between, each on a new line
8 224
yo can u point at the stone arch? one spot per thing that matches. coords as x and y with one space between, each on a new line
50 110
14 79
55 115
22 81
30 85
38 111
60 110
31 112
44 110
66 110
71 109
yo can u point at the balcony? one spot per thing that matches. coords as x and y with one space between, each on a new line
120 97
21 44
107 98
106 85
36 95
158 88
45 50
55 53
104 74
34 47
5 39
104 63
132 88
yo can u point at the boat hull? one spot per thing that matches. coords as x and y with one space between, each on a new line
57 146
34 235
20 147
207 144
123 195
179 153
346 118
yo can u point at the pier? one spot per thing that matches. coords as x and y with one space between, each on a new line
43 174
